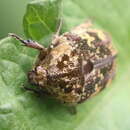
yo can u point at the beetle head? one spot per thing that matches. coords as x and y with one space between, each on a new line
38 76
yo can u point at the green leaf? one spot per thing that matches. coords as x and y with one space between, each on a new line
109 110
41 19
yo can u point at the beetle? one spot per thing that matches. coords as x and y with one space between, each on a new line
76 65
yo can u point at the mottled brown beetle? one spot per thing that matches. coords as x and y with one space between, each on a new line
77 65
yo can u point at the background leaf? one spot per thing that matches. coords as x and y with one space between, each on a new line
41 19
11 15
109 110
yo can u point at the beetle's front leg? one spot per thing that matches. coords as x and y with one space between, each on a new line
72 110
38 91
103 62
29 43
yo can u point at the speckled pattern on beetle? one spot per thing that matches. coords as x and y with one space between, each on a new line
77 64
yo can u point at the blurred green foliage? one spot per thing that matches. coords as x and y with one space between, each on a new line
20 110
11 16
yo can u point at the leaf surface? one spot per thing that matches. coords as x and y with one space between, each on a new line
109 110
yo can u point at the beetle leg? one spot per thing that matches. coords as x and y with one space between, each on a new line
59 27
103 62
28 43
38 92
57 33
72 110
108 76
85 25
87 66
